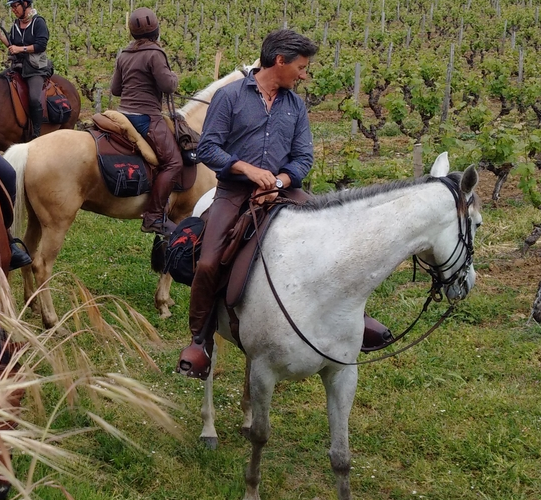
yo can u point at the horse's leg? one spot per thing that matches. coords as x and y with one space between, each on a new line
262 383
340 387
51 243
245 403
208 434
31 239
162 299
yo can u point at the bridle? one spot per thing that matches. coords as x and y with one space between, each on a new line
463 249
464 246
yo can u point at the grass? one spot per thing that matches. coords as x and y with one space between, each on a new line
456 417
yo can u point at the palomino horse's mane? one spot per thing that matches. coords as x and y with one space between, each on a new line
207 93
338 198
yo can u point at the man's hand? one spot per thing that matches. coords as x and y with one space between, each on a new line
14 49
263 198
264 179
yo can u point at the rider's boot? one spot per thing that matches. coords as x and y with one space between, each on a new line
36 117
195 360
19 257
154 219
376 335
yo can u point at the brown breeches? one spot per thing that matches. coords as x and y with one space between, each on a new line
162 141
223 215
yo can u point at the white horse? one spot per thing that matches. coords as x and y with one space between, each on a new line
58 174
324 282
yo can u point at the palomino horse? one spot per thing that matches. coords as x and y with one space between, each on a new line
323 285
10 130
58 174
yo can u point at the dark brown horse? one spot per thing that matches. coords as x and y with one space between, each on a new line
8 367
11 131
6 219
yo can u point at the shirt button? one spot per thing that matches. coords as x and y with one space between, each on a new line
267 133
265 152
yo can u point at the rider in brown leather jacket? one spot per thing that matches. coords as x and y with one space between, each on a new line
142 75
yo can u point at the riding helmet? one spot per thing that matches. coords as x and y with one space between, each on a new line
143 23
11 2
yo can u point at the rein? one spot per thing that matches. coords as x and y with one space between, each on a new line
190 98
435 290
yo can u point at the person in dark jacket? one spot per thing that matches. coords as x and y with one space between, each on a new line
26 45
142 75
8 177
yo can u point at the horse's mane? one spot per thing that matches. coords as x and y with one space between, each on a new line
338 198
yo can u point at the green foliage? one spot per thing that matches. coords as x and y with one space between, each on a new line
528 184
498 145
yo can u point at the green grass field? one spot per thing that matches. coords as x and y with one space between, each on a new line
456 417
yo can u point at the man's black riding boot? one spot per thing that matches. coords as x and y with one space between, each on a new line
19 257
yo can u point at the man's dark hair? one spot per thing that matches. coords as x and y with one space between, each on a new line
285 43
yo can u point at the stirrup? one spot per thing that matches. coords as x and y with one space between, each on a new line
159 226
194 361
19 257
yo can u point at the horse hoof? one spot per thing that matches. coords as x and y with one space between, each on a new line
165 313
211 443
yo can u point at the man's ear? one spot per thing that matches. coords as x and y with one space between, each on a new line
280 60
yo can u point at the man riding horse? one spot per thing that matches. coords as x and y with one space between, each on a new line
257 138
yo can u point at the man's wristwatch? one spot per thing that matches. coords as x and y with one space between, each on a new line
279 183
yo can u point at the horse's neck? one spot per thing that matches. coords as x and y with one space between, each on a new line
359 244
195 111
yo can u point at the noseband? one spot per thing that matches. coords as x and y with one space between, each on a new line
463 248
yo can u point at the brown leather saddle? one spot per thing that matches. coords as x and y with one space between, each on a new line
114 135
243 249
20 100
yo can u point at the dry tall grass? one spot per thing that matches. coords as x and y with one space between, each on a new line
55 357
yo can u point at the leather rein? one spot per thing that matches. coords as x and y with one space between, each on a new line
464 244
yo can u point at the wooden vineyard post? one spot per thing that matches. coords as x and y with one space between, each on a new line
447 95
418 160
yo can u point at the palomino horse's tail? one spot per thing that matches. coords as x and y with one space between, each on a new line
17 156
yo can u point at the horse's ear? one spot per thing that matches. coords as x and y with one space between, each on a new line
441 166
470 178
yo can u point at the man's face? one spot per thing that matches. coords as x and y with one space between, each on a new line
291 73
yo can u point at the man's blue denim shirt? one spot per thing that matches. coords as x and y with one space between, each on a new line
238 127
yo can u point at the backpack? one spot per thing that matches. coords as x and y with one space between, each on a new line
184 249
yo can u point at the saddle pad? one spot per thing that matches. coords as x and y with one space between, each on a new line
19 96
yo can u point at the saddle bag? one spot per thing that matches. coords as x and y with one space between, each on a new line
187 140
58 109
184 249
124 176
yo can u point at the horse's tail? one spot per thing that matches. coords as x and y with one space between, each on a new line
157 256
17 156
